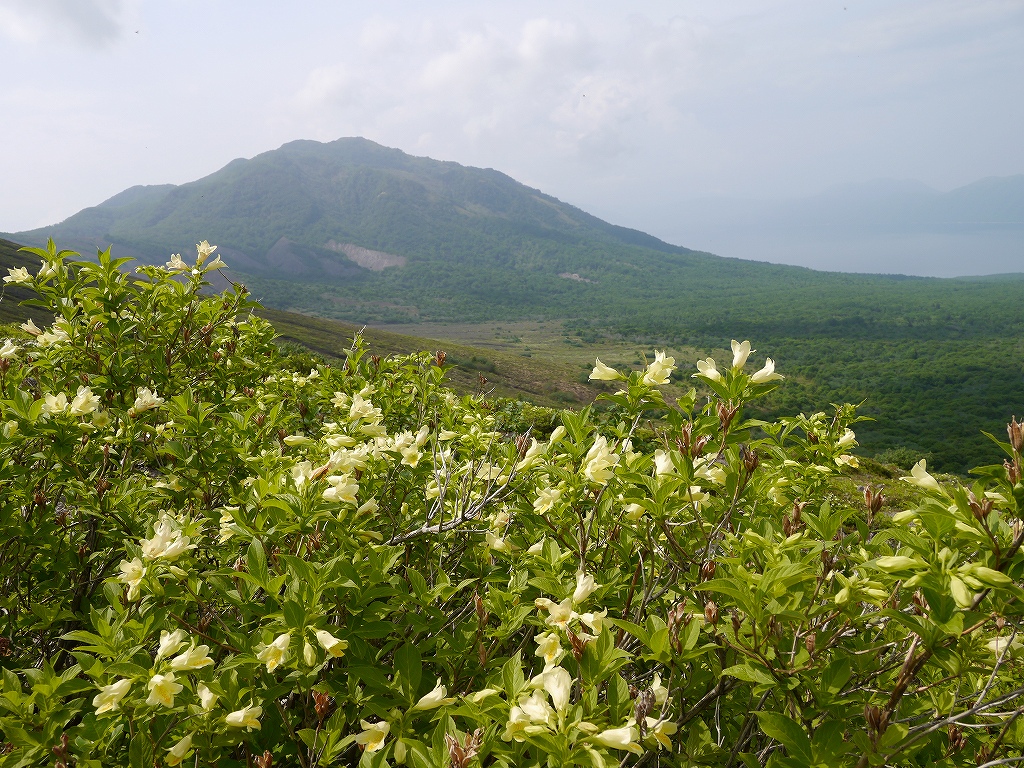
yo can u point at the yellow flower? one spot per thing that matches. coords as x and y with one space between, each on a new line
663 463
196 657
660 691
740 352
343 489
594 620
204 250
146 400
548 647
179 751
603 372
706 369
436 698
276 654
559 614
31 328
84 402
176 263
766 374
585 586
51 337
46 271
9 350
162 690
227 529
167 542
599 462
659 371
536 708
546 499
373 735
558 684
17 275
207 698
661 730
55 403
919 476
620 738
132 572
246 717
170 642
331 644
109 697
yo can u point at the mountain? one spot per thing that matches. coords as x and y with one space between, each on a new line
336 211
355 230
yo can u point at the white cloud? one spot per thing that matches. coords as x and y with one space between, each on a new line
92 22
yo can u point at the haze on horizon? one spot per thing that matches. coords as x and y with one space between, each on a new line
630 114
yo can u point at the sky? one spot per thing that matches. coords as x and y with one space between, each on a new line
626 110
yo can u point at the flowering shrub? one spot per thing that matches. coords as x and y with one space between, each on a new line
209 559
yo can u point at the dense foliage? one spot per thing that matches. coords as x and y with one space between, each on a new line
207 558
482 247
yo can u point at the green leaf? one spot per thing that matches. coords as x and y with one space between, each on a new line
256 562
409 668
140 751
751 673
787 732
294 615
512 676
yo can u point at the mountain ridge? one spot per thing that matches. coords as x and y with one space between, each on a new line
298 178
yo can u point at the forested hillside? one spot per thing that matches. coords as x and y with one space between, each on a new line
355 231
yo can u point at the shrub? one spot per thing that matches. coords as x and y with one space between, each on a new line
209 558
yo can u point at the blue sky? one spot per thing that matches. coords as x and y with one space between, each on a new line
623 109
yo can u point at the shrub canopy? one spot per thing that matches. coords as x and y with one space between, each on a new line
209 558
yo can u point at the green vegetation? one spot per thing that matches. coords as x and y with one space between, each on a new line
216 551
934 361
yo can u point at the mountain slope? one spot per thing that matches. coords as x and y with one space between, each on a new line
318 196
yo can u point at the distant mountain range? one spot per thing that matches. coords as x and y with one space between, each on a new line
882 226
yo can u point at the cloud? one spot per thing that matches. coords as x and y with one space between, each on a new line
552 86
95 23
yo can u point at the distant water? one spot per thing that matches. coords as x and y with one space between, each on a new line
956 254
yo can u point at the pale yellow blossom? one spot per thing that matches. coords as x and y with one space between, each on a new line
109 697
766 374
275 654
180 751
246 717
436 698
331 644
659 371
132 572
740 352
603 372
162 690
373 736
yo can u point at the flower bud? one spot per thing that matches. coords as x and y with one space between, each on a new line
980 509
1015 430
726 415
711 612
750 459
